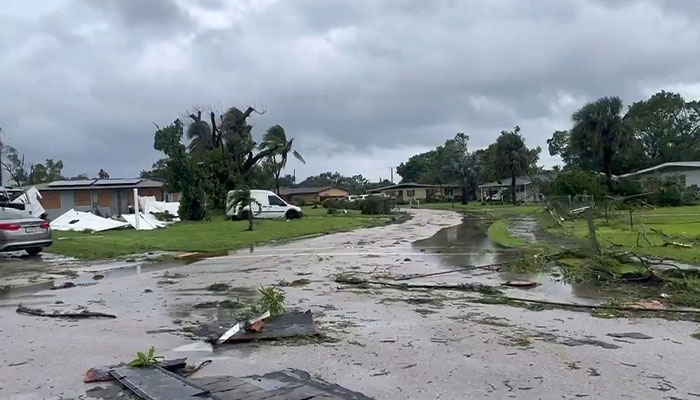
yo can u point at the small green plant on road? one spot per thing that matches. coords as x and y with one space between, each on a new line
273 299
143 360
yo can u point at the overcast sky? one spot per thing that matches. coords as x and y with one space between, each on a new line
360 84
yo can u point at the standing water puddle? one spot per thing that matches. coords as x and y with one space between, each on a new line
468 244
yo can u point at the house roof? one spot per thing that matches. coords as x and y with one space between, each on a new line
411 185
505 182
675 164
306 190
113 183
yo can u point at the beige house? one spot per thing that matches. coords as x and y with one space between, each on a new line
406 192
312 195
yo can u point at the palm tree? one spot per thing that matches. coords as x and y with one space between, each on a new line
511 157
275 139
467 170
200 134
600 128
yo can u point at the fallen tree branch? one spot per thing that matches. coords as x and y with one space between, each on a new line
472 267
466 287
83 314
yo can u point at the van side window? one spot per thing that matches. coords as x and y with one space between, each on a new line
276 201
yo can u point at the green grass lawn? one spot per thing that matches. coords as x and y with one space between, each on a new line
498 233
681 223
499 213
217 235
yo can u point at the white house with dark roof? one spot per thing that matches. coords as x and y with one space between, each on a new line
687 172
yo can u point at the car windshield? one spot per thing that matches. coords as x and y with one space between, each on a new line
11 213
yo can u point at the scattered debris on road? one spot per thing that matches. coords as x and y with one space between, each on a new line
82 314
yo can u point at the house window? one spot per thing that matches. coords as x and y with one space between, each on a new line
82 198
448 192
411 193
681 180
104 198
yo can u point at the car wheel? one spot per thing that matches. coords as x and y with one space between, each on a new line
244 215
292 214
33 251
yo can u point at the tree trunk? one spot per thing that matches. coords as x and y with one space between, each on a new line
277 180
250 215
513 197
607 165
464 194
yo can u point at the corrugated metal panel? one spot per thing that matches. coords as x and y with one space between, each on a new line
106 182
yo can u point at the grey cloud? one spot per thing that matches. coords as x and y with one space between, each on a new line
360 76
143 14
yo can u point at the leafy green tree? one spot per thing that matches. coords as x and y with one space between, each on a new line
465 168
275 139
15 166
428 167
219 156
509 157
667 127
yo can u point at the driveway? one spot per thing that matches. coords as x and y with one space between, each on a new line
385 343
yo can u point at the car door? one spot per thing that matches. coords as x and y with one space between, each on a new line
278 207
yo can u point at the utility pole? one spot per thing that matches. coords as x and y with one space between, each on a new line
294 177
392 174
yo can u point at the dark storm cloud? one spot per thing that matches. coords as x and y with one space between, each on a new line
360 84
143 13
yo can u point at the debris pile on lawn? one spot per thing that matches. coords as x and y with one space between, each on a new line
146 222
149 205
73 220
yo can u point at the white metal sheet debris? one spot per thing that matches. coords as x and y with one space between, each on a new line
79 221
30 199
149 205
147 222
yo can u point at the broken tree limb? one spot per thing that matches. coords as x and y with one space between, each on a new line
468 287
594 307
83 314
472 267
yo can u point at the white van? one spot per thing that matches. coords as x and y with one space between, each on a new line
268 205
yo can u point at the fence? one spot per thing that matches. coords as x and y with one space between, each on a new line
566 204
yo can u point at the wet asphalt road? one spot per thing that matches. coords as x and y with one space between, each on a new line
388 344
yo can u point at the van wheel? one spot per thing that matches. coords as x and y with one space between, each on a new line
244 215
292 214
33 251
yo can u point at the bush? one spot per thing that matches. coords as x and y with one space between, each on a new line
671 192
575 182
299 201
629 187
340 204
376 205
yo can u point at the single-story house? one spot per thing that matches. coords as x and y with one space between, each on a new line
687 172
312 195
525 190
108 197
405 192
